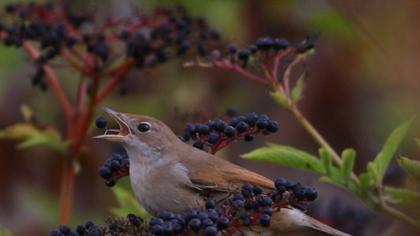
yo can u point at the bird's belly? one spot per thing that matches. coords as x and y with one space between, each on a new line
163 195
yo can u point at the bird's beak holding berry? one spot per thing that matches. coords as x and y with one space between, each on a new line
116 135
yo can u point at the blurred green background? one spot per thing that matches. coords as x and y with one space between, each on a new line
363 81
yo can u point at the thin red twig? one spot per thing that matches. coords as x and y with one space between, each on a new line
119 75
52 79
286 77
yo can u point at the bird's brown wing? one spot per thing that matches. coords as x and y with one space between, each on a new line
213 173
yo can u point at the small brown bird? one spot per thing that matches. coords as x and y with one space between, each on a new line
168 174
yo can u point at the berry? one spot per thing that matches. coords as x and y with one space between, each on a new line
280 182
134 220
210 231
251 119
223 222
231 111
246 190
233 48
213 137
155 221
241 127
267 211
64 229
310 194
257 190
167 228
105 172
265 220
210 203
198 144
244 54
203 129
262 123
280 44
195 224
264 43
101 122
229 131
272 126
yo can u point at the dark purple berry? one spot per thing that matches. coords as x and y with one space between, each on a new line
210 203
195 224
265 220
210 231
262 123
231 111
229 131
272 126
203 129
105 172
198 144
223 222
280 44
213 137
280 182
233 48
244 54
257 190
310 194
241 127
64 229
264 43
101 122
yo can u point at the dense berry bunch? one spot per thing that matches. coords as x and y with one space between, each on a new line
61 31
250 206
114 168
130 225
218 133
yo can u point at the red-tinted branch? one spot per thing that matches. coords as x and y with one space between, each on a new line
52 79
286 77
119 75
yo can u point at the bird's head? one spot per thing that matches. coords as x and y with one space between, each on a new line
138 133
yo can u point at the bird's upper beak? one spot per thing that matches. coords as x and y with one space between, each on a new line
116 135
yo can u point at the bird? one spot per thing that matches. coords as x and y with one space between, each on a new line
167 174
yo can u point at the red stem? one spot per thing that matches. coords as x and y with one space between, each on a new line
52 79
286 77
235 68
119 75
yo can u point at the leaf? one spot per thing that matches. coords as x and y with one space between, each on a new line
382 160
5 232
288 156
34 136
410 166
299 87
365 184
403 197
280 98
26 113
348 156
326 160
127 203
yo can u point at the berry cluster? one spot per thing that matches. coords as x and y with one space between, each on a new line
218 133
248 207
114 168
148 40
130 225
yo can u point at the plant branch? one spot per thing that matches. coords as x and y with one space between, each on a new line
119 75
52 79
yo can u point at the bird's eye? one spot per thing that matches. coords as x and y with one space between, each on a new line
143 127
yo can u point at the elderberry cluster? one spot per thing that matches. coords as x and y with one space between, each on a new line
217 133
148 40
114 168
250 206
130 225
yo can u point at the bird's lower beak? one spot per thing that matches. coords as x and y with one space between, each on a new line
116 135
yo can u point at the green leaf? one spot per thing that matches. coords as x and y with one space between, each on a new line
348 156
127 203
382 160
288 156
299 87
280 98
403 197
34 136
327 179
326 160
5 232
365 184
410 166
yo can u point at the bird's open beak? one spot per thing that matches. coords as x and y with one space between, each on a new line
116 135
